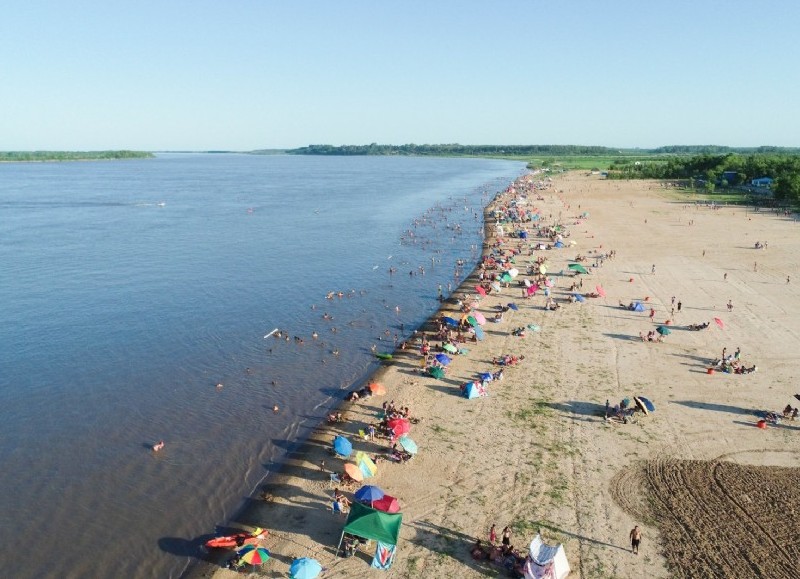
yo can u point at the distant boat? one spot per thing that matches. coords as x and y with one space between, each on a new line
162 204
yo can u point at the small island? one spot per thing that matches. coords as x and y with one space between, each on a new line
49 156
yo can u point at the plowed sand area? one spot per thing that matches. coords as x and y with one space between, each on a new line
714 495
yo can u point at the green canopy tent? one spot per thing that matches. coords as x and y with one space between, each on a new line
369 523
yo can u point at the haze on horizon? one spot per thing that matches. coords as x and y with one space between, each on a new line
203 75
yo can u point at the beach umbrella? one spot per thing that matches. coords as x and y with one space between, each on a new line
486 376
577 267
472 321
450 321
436 372
514 307
480 290
527 282
342 446
542 269
513 272
663 330
548 282
534 327
479 332
353 472
532 290
253 554
387 504
479 317
408 445
365 464
368 494
579 297
641 405
305 568
399 426
600 291
647 404
719 323
377 389
505 278
443 359
496 286
450 348
797 396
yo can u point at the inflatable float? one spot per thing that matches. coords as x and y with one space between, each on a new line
237 540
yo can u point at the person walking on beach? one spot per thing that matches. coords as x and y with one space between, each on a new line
730 305
653 269
679 305
652 313
755 266
725 277
493 535
636 538
507 537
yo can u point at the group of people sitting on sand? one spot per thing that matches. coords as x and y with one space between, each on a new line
790 412
504 556
507 360
732 365
651 336
697 327
551 304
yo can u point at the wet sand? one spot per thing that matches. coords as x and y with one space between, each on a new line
537 453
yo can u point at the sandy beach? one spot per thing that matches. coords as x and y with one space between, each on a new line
537 453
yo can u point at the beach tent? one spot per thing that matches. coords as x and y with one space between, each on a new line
474 390
372 524
638 307
546 561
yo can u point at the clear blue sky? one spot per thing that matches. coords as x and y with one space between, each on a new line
246 74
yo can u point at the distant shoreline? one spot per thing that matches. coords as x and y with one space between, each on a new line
66 156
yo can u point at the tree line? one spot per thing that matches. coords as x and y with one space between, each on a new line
19 156
453 150
712 171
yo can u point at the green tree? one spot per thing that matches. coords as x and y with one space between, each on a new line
787 188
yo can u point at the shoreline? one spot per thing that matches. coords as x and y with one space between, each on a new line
245 516
538 455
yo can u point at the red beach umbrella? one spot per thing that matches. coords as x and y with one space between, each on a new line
719 323
480 290
600 291
387 504
399 426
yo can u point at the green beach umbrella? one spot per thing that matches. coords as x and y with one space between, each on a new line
663 330
577 267
450 348
472 321
436 372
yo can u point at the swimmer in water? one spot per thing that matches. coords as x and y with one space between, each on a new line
158 446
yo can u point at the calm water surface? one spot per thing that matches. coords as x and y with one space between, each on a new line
128 290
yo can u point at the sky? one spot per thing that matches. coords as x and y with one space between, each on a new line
257 74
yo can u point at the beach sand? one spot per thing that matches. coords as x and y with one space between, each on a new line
537 453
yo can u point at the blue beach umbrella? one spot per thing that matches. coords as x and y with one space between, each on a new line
485 376
368 493
305 568
514 307
450 321
443 359
342 446
479 332
579 297
647 404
